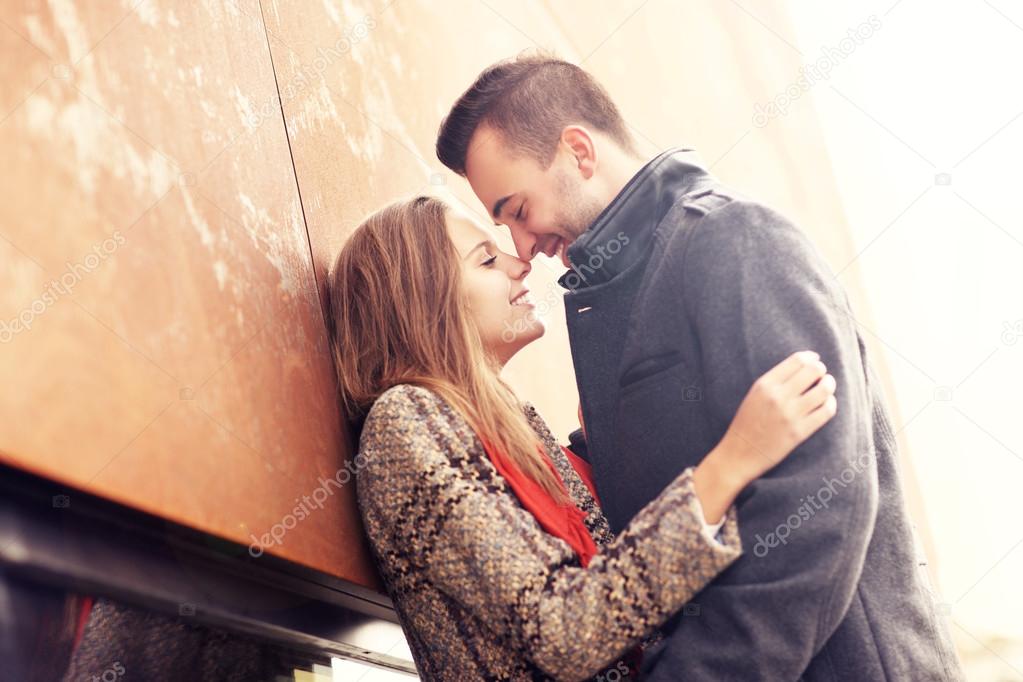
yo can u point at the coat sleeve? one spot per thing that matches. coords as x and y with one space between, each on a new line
755 291
472 540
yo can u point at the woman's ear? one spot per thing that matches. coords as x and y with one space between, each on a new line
579 144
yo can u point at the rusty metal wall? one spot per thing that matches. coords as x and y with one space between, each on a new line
173 356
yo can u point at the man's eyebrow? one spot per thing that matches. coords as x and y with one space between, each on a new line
499 204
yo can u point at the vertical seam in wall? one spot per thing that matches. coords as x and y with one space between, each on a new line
298 189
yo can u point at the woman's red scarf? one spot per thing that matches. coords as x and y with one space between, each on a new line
565 521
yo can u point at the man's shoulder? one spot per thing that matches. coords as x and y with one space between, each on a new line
718 203
725 223
704 201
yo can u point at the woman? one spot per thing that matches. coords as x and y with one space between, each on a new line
486 532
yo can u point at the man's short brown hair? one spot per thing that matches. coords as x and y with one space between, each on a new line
529 100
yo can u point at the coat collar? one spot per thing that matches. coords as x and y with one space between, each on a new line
622 233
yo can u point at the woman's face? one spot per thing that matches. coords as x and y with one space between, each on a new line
495 285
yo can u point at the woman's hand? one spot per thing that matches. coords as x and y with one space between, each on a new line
785 406
782 409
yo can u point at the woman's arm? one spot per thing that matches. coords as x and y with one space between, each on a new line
784 407
472 540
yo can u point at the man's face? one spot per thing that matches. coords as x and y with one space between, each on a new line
545 209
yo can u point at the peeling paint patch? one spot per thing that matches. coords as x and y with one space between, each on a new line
145 10
220 272
331 9
96 144
198 222
70 27
38 35
244 106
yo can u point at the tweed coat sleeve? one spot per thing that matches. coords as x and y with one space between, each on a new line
428 493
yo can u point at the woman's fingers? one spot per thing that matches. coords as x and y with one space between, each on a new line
816 396
784 370
805 377
821 416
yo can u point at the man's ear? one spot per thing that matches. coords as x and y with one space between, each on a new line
580 145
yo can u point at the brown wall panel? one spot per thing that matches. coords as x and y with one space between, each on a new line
182 370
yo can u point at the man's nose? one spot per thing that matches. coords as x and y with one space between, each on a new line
521 268
525 243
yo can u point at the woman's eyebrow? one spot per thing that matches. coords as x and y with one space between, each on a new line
485 242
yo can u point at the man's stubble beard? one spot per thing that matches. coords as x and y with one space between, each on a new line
576 209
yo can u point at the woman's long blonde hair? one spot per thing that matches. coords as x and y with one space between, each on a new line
399 316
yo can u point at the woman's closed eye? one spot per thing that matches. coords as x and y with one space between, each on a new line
489 262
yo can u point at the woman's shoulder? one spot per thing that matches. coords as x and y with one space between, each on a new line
404 400
406 409
402 397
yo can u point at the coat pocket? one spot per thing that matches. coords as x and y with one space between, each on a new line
648 368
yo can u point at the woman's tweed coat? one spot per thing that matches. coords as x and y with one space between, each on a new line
482 592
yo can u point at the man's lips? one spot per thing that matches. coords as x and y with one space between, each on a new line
560 250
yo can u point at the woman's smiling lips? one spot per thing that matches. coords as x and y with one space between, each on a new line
522 298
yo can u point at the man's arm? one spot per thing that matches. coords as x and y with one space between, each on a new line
756 291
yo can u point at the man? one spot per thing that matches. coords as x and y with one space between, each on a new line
680 294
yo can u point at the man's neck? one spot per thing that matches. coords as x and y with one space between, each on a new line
620 236
622 167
